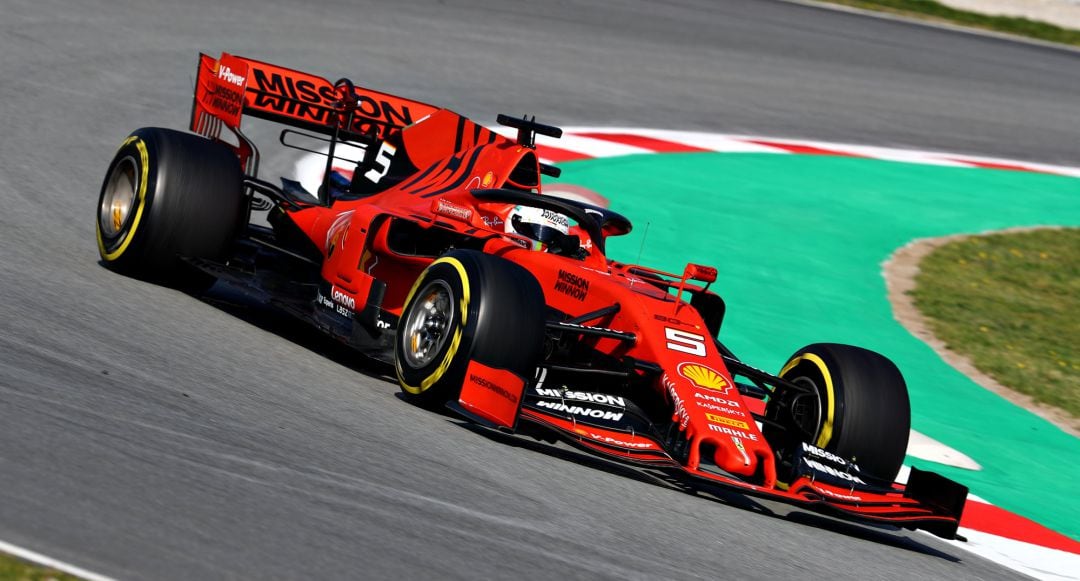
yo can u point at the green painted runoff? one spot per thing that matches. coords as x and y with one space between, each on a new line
799 242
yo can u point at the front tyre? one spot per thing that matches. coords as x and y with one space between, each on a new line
857 407
166 195
467 306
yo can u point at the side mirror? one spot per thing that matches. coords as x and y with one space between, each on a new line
700 272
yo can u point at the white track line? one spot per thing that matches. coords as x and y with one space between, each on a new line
1039 562
926 448
34 557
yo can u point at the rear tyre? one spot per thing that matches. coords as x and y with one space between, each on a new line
467 305
168 194
858 408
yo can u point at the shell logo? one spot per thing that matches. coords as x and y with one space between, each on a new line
704 377
489 178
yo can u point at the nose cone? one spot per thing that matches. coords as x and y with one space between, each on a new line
736 455
732 456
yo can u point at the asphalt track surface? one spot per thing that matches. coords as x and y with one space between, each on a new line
148 434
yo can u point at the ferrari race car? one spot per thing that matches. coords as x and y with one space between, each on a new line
430 245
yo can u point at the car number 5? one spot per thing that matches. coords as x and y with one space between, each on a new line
685 342
382 163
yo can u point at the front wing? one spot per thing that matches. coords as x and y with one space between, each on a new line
929 501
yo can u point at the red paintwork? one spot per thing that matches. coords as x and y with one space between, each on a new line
492 394
633 447
453 156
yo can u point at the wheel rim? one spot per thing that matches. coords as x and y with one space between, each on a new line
119 198
427 326
806 408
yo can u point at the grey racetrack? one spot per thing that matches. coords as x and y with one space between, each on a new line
146 434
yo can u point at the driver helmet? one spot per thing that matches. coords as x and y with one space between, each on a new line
537 224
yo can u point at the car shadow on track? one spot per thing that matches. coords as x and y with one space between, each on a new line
879 534
239 305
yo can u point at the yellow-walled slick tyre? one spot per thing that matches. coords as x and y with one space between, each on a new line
467 305
168 194
857 408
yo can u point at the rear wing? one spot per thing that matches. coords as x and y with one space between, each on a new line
230 87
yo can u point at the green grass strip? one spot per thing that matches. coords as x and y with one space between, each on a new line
12 569
1009 302
929 9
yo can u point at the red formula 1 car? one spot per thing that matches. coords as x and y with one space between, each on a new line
439 253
